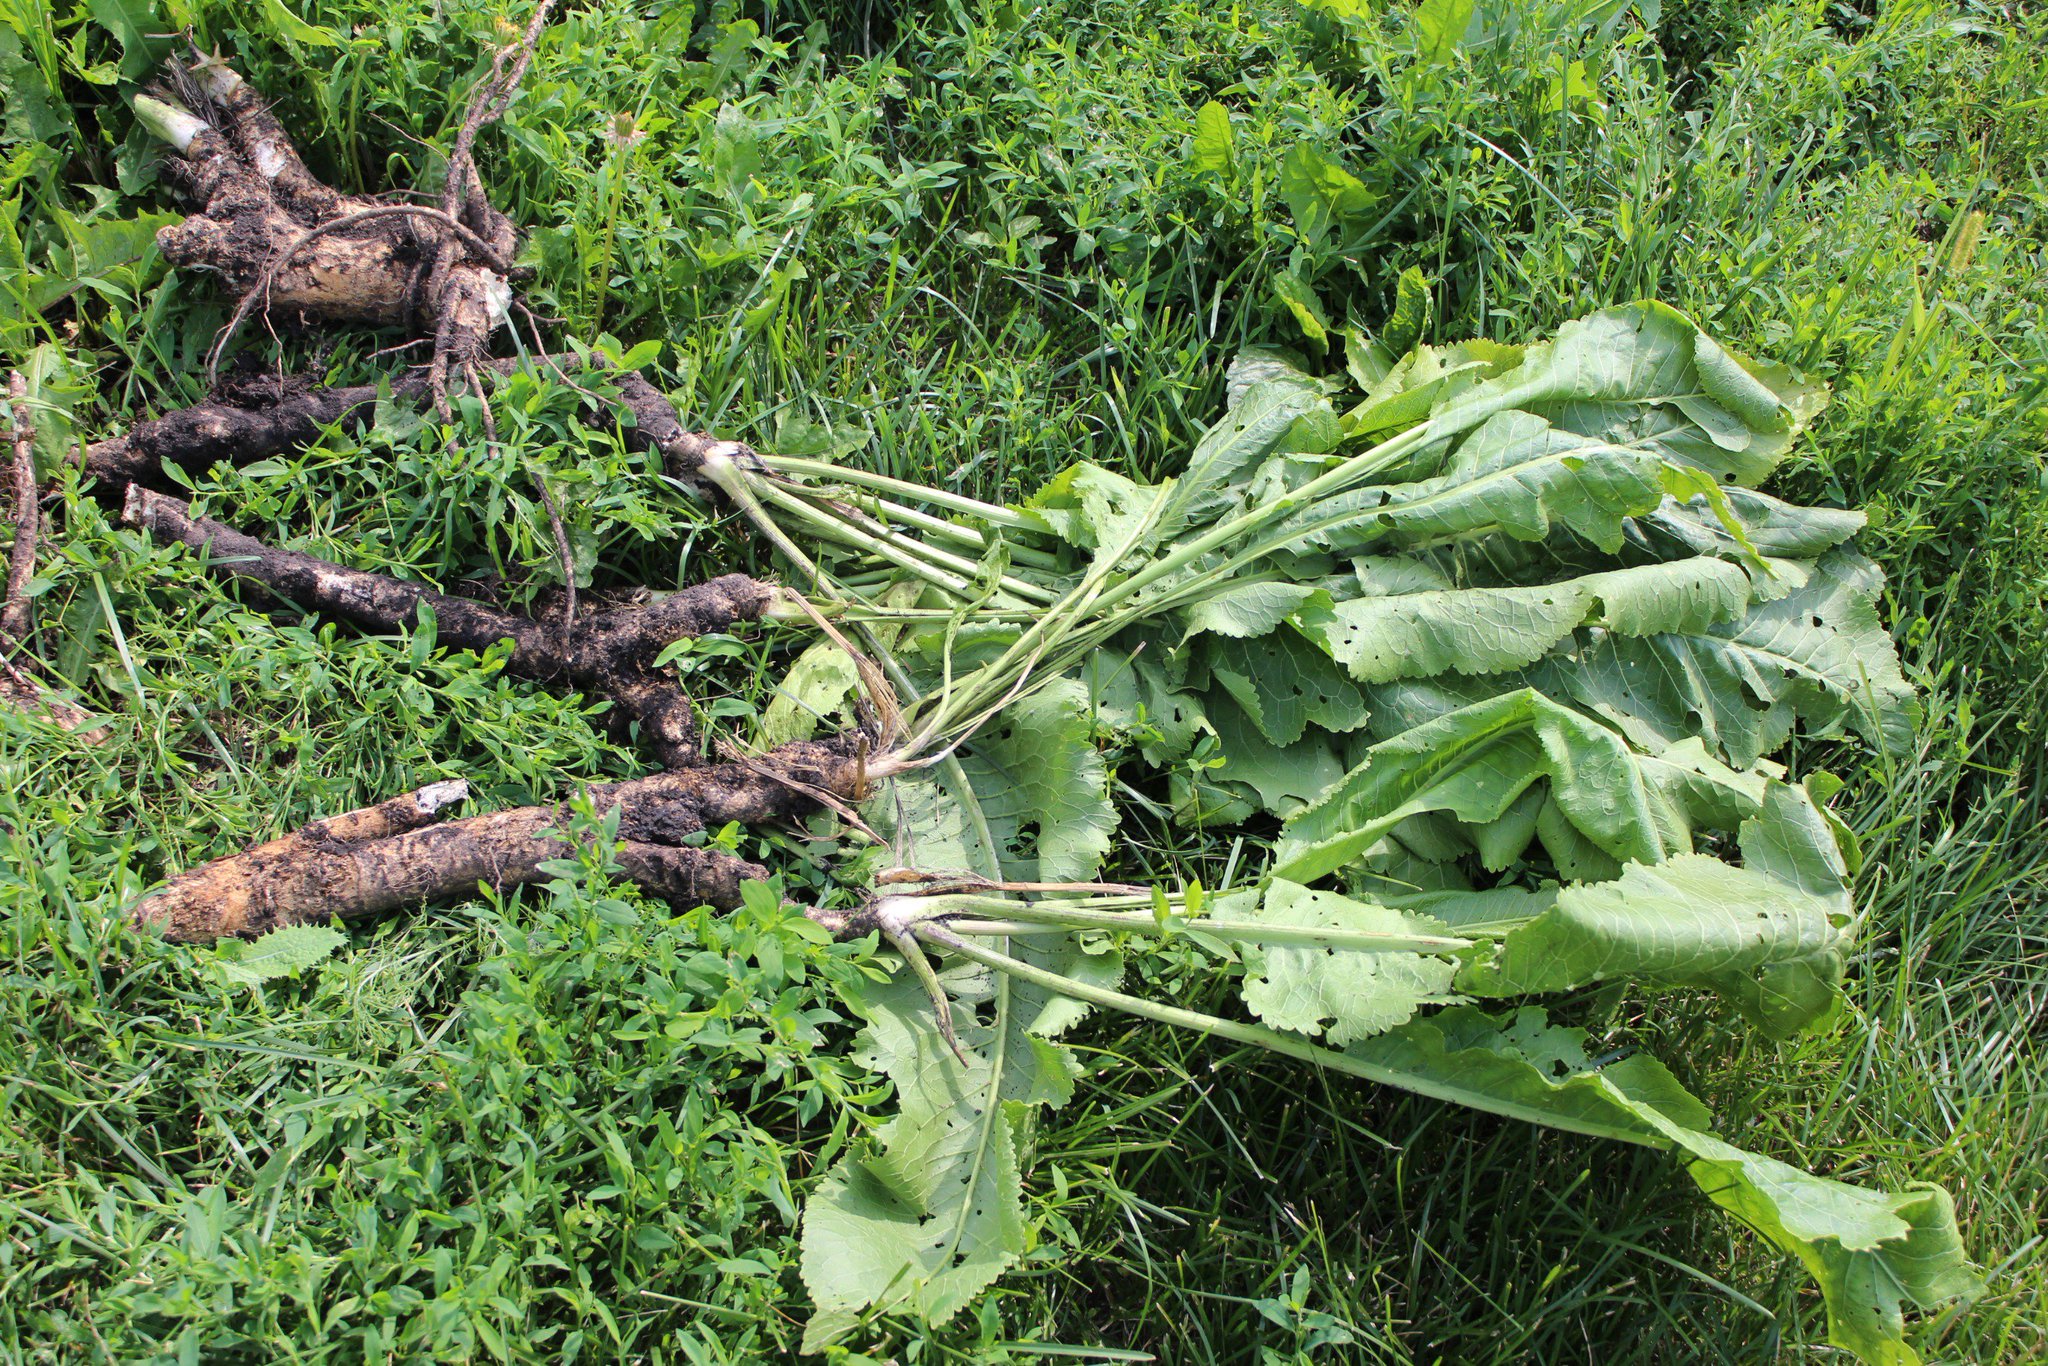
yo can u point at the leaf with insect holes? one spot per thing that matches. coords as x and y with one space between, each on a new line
283 952
1817 655
1344 995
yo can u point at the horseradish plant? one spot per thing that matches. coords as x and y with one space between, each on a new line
1502 635
1502 638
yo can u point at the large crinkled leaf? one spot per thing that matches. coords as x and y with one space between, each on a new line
1817 655
928 1213
1267 777
1474 762
1346 995
1094 508
1255 426
1049 785
1285 683
1874 1253
1644 375
1813 654
1041 810
1517 475
1245 610
1768 936
1131 692
1772 527
1491 630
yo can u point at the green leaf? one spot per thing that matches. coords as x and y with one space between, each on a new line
1270 777
1817 654
143 37
819 685
1132 694
1250 431
295 33
283 952
1048 784
1491 630
1255 364
1474 762
1517 475
1439 28
1769 935
1873 1253
1244 610
1299 298
1094 508
33 112
1285 683
1775 529
1410 318
1040 809
926 1214
929 1213
1346 995
1643 375
1214 147
1323 197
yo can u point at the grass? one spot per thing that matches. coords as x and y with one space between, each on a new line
968 243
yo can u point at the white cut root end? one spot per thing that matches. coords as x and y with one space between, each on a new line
179 127
497 301
216 78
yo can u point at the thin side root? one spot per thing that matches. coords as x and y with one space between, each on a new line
612 653
286 416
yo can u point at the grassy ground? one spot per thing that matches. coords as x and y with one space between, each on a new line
968 242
